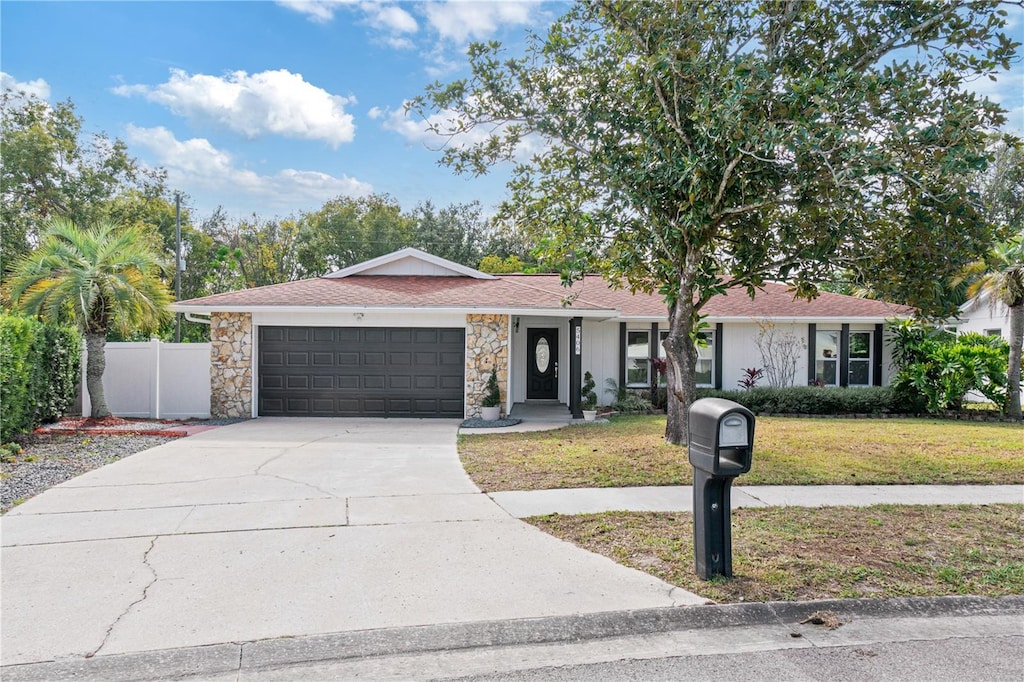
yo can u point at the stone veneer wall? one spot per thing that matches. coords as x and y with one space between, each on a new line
230 365
486 350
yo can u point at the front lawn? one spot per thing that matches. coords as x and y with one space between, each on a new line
631 451
797 554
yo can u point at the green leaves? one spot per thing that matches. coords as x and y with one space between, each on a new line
98 278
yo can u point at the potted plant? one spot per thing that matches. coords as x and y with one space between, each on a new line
492 400
588 398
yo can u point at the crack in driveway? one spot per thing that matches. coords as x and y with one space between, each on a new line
145 593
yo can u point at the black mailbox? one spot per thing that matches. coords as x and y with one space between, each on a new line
721 446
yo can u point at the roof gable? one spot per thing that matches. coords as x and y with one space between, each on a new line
409 262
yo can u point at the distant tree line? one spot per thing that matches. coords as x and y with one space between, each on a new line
52 169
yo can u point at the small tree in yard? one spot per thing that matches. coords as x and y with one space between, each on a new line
687 148
101 278
780 352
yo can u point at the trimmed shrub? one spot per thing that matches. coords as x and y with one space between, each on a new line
814 400
39 367
936 370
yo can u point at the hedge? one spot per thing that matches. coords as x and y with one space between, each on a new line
815 400
39 367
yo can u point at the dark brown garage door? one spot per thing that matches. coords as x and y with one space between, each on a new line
361 372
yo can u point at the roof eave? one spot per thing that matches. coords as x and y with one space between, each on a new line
589 313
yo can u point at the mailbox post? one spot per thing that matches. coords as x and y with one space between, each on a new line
721 443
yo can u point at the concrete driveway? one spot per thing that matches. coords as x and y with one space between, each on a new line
285 527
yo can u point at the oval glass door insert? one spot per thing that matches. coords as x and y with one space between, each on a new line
543 355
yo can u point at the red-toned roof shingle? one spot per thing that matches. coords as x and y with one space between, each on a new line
541 292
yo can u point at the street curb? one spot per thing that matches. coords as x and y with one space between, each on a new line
283 652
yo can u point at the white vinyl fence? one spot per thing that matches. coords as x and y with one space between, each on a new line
155 379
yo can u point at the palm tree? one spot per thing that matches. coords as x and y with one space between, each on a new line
98 278
1001 279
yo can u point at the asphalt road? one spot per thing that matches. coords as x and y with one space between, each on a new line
953 659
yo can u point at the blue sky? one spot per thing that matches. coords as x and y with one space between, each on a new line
276 107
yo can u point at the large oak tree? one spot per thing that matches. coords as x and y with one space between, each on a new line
689 148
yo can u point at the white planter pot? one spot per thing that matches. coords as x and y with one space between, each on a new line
589 415
490 414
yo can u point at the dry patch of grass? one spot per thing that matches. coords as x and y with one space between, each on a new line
631 451
797 554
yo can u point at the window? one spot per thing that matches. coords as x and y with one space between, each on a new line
860 359
638 353
705 357
993 332
826 361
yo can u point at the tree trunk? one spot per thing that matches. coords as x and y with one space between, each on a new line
1013 369
95 364
681 365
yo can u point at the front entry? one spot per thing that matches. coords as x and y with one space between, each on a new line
542 358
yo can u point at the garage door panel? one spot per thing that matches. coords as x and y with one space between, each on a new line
297 404
323 335
450 359
452 337
271 381
323 382
355 371
271 359
397 336
348 383
450 382
449 406
426 382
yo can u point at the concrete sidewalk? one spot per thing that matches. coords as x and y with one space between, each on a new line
521 504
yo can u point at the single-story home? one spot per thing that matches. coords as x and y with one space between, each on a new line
409 334
982 315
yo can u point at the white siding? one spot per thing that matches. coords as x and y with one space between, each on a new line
981 317
155 380
740 351
410 266
601 356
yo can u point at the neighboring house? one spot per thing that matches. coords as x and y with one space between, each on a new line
413 335
982 315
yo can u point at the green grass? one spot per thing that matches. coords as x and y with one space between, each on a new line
631 451
797 554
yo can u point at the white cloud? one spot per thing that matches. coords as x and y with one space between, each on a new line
459 20
38 87
318 11
417 130
389 17
198 166
270 102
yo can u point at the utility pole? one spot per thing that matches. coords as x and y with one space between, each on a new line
177 264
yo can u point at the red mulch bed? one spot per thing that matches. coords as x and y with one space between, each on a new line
112 425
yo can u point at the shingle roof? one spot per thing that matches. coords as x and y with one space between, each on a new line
525 292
